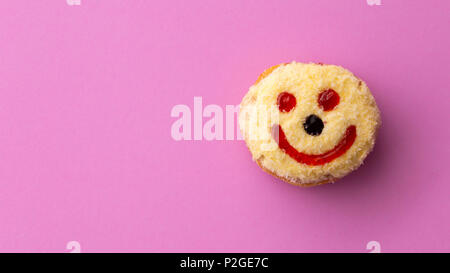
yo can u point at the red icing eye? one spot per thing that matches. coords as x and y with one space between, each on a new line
286 101
328 99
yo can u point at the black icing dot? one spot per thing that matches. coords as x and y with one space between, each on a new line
313 125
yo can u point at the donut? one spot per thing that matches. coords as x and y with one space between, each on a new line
309 124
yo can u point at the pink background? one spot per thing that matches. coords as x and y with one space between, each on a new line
85 147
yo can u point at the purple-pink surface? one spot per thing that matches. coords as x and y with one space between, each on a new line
87 155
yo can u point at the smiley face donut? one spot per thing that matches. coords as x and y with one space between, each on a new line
309 124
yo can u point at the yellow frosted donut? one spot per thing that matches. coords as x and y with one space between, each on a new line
309 124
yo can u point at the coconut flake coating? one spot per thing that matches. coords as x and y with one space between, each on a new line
259 113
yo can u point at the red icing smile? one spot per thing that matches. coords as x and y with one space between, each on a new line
314 160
